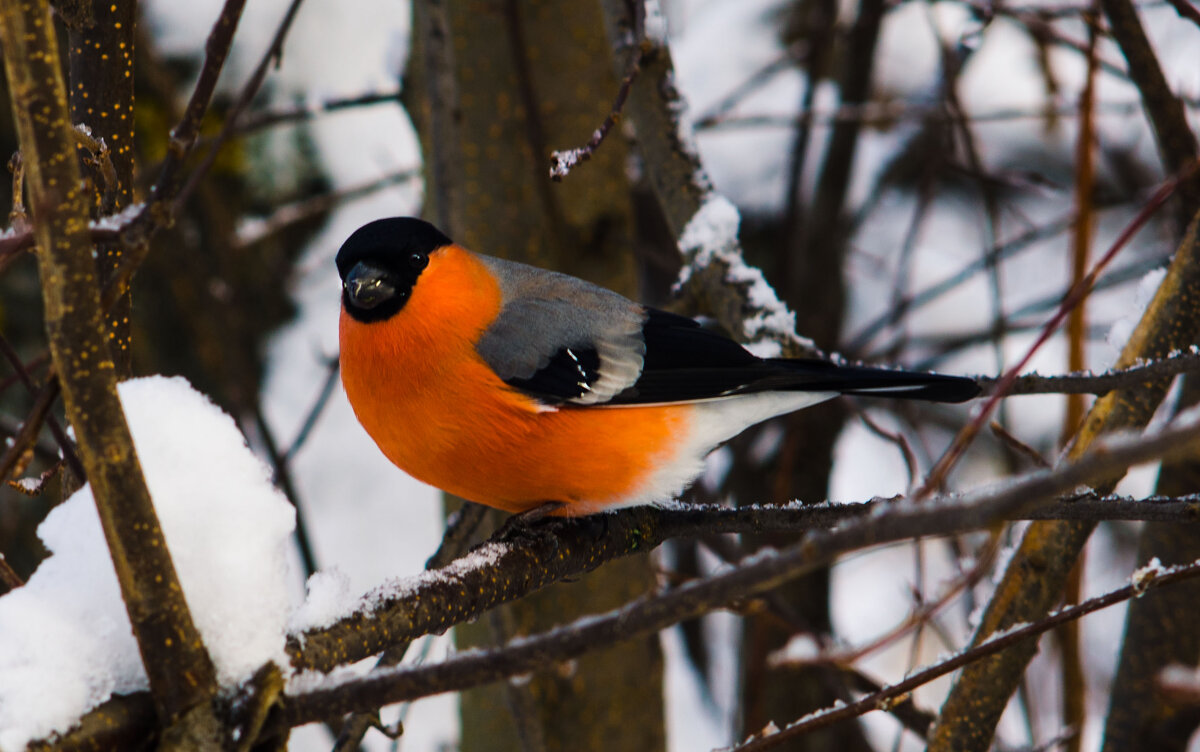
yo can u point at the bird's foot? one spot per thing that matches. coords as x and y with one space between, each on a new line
520 525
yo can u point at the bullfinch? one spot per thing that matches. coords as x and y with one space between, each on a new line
517 388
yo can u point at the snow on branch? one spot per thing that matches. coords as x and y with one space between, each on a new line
529 558
716 281
1099 383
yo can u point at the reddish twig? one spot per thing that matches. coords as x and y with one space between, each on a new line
1073 297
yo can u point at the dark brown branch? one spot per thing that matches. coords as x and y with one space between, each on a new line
1102 383
314 412
256 121
180 672
1186 10
498 571
64 443
756 574
1143 581
271 56
1177 145
13 461
101 55
282 478
159 210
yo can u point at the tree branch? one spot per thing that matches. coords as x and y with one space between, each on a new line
1143 581
1102 383
180 671
1028 589
1177 145
502 570
756 574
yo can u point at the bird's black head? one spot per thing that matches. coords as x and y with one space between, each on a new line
380 262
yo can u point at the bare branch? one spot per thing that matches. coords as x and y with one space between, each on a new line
1089 383
180 671
64 443
285 216
1074 296
1143 580
500 571
256 121
272 55
756 574
9 578
561 162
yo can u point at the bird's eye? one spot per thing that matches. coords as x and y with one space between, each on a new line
418 261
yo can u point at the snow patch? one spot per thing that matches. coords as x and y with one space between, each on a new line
66 643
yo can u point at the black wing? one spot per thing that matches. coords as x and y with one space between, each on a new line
568 375
684 362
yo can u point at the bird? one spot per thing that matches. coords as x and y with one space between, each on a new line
525 389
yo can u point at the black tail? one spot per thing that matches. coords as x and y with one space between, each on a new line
821 376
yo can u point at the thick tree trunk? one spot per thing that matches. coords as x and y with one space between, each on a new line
493 88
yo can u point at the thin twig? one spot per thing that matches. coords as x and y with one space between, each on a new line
283 479
1143 580
314 412
921 615
561 162
757 574
886 115
1076 294
898 439
249 90
1001 252
256 121
290 214
12 462
64 442
1089 383
1018 447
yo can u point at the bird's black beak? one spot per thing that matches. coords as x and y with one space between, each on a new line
367 286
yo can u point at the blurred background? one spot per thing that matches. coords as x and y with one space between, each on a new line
908 175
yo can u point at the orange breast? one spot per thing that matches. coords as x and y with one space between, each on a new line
439 412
